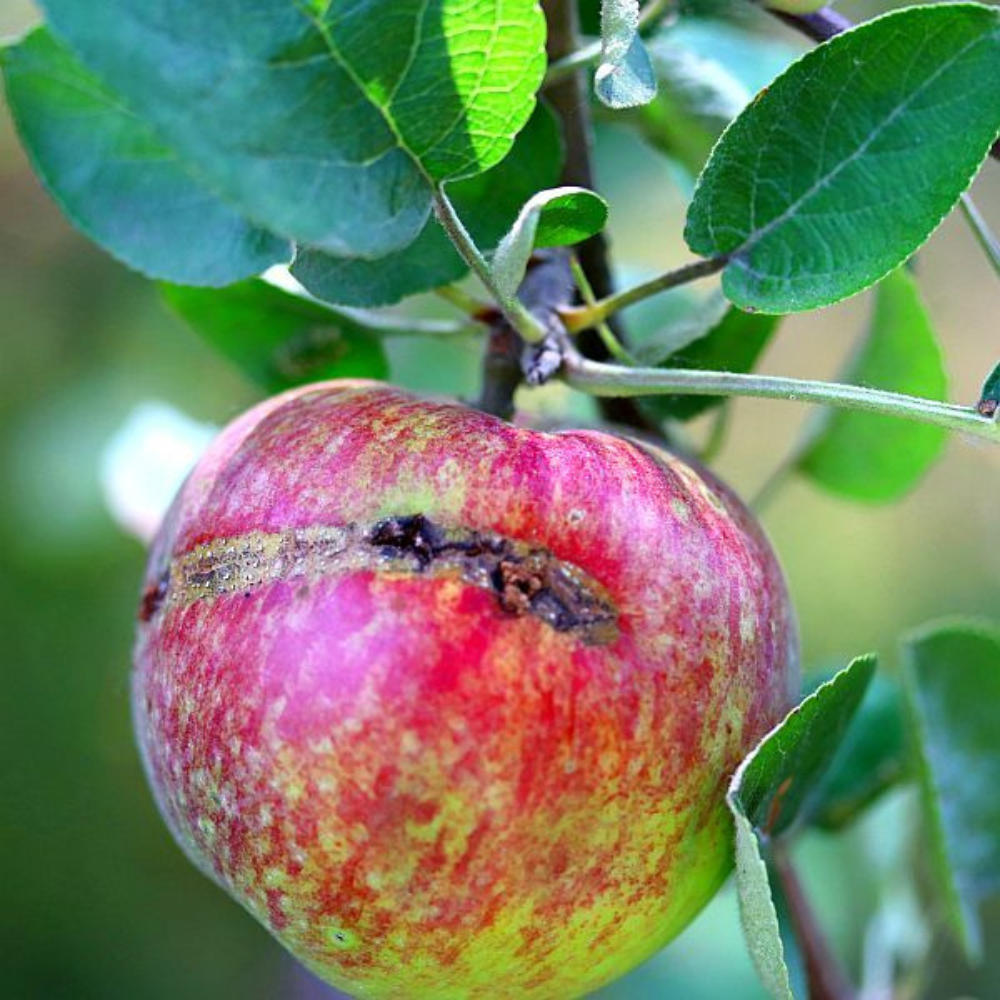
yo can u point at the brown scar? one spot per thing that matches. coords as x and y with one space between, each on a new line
526 579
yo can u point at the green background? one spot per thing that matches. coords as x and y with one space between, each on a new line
95 900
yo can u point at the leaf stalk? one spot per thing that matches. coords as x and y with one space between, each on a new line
529 329
586 316
607 380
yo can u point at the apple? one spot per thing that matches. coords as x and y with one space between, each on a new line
450 705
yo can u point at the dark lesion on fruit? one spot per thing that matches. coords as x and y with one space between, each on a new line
154 595
525 579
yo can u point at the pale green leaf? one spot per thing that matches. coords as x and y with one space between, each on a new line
952 672
557 217
770 789
878 458
280 339
624 77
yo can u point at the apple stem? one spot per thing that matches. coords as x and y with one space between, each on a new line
826 978
583 317
601 379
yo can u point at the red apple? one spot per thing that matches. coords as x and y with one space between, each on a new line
450 705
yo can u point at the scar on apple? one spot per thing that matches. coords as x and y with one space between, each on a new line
526 579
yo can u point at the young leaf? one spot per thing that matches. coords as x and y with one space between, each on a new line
989 398
952 674
768 791
734 345
872 759
558 217
845 165
118 182
326 123
876 458
279 339
487 204
624 77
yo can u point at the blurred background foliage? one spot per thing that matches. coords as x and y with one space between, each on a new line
95 899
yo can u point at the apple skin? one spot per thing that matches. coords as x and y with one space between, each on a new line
422 778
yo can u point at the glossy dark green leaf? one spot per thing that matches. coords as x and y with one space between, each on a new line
952 672
873 758
118 182
876 458
327 123
770 789
487 204
733 345
841 169
624 77
557 217
280 339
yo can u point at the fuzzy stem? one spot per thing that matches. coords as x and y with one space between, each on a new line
827 980
985 238
600 379
519 318
584 317
614 346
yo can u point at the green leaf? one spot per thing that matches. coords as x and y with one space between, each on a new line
558 217
118 182
734 345
488 205
989 398
279 339
768 791
952 674
624 77
878 458
873 758
845 165
324 122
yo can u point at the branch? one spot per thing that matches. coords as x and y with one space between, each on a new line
584 317
612 380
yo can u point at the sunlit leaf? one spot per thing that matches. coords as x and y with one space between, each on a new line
487 204
326 123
